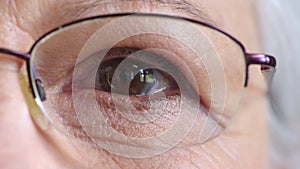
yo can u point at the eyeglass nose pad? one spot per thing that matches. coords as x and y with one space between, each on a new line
40 89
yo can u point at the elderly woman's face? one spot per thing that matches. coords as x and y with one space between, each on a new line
23 145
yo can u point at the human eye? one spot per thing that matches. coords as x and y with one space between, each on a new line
139 82
143 79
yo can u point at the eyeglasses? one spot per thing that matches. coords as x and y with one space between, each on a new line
143 79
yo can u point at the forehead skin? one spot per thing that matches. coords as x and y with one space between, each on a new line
38 17
22 22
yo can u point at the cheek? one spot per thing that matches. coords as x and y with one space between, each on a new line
250 125
219 153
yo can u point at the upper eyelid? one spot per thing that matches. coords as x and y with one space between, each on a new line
165 59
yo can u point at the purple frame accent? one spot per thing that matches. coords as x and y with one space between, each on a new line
267 62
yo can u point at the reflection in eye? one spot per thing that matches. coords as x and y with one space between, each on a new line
145 82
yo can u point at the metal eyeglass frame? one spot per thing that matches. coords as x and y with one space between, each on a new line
267 62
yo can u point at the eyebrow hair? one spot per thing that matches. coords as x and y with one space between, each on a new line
192 10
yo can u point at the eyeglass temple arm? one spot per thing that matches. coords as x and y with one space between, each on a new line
20 55
268 65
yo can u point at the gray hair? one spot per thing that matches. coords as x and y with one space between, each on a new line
280 25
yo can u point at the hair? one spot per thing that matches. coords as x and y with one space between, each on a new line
280 25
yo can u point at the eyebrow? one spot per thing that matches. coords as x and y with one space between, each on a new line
189 9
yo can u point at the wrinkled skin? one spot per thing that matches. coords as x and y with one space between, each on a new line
23 145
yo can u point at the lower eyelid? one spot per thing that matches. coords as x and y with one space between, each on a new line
71 123
72 126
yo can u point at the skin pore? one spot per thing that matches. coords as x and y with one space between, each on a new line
23 145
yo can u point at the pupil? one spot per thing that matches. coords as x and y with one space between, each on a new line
144 82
